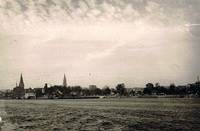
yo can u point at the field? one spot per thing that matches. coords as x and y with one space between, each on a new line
134 114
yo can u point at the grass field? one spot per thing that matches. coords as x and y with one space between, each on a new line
101 114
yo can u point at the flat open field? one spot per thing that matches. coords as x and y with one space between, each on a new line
101 114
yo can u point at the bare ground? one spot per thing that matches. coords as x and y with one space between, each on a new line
101 114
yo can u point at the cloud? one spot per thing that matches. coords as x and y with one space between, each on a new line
79 36
189 25
22 13
104 53
194 30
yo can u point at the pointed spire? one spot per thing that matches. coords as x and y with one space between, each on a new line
64 81
21 83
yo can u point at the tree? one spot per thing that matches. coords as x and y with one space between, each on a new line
85 92
76 89
38 92
149 89
106 91
157 84
94 90
172 89
120 88
113 91
67 90
132 93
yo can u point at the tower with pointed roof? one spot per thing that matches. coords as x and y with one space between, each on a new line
64 81
18 91
21 83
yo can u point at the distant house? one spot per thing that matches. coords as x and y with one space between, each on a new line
130 91
18 91
8 94
30 95
138 90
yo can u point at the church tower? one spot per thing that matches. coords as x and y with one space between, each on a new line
19 91
21 83
64 81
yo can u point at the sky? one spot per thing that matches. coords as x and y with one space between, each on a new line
99 42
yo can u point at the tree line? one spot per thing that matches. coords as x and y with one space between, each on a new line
172 89
92 90
119 90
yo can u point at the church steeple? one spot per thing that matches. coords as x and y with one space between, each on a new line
21 83
64 81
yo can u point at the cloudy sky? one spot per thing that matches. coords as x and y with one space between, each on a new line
102 42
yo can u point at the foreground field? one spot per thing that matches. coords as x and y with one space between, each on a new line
100 114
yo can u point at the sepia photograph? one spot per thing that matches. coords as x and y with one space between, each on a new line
99 65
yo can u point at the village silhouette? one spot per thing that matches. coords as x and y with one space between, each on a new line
65 91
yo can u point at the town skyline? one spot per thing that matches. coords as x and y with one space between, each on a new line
65 83
65 91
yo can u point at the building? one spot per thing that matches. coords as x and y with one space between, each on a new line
64 81
18 91
138 90
30 94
